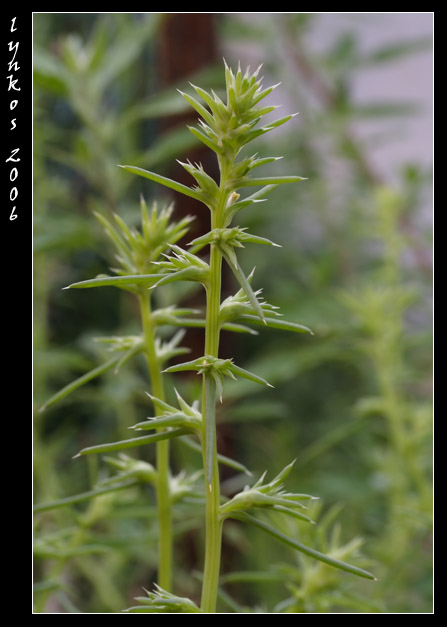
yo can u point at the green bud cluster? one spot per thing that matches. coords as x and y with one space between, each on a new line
138 250
229 126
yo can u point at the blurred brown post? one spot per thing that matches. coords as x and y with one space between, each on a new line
188 44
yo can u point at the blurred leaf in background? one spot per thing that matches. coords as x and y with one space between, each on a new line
360 226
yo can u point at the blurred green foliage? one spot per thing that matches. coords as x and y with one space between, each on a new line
352 404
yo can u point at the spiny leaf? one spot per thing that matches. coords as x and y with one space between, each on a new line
157 178
161 422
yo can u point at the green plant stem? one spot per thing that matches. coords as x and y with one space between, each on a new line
162 451
213 524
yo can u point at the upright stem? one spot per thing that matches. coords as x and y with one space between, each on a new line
162 452
213 525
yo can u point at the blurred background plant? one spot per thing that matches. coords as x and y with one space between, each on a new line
352 404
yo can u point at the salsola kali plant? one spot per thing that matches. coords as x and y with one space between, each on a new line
152 258
226 128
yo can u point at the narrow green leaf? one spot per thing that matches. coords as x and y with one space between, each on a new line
187 274
258 196
200 324
157 178
277 323
123 444
84 496
241 372
186 365
331 561
269 180
280 121
142 280
292 512
204 139
245 284
74 385
262 94
114 235
206 115
206 97
256 239
179 419
161 422
249 136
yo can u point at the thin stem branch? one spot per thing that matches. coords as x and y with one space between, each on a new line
162 450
